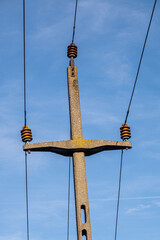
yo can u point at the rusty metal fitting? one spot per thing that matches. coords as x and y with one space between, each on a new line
125 132
72 51
26 134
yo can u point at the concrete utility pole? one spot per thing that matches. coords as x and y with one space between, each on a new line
78 148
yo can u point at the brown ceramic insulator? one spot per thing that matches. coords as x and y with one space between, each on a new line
26 134
125 132
72 51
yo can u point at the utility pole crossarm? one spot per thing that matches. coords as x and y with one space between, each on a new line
78 148
67 148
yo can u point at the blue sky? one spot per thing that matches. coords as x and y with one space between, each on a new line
109 37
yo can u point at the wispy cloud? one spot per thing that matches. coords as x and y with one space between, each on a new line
16 236
139 208
111 33
128 198
99 118
149 143
157 204
100 12
45 209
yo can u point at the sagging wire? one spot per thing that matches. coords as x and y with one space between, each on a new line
127 114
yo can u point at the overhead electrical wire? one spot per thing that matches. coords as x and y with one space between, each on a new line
126 118
25 113
75 18
69 170
140 61
69 189
24 63
128 111
26 174
119 191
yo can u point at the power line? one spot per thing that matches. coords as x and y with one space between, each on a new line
24 62
75 18
26 178
69 187
69 174
140 61
127 114
25 112
119 191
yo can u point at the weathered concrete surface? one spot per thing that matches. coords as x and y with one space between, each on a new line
79 169
74 104
81 196
67 148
